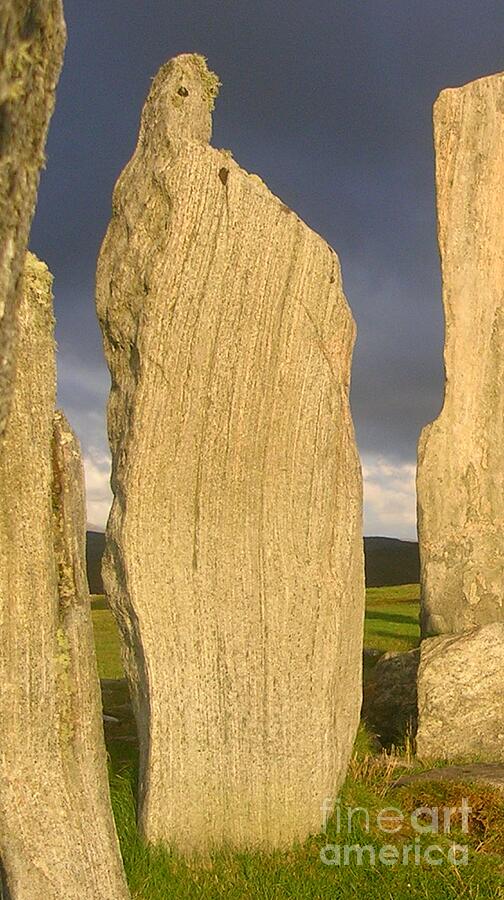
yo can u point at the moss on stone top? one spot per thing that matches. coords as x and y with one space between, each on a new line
209 79
183 63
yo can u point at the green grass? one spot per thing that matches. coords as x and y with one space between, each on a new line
158 874
392 617
107 642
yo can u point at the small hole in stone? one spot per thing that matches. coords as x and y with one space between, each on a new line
183 92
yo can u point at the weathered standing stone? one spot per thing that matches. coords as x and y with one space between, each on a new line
57 837
461 454
460 692
32 41
234 561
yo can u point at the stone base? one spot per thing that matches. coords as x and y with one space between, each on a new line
460 695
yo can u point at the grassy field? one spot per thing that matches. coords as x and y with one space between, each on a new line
392 617
156 874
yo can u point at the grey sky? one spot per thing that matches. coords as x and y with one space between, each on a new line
330 102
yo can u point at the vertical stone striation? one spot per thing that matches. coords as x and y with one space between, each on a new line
234 555
32 40
461 454
57 837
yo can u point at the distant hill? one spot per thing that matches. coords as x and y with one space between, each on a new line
391 561
388 561
95 545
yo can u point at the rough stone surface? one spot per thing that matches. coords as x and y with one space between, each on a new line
480 773
234 561
390 697
32 40
57 837
460 691
461 454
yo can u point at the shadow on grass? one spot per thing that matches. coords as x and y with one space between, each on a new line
398 618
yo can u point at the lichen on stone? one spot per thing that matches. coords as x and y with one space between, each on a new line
16 67
65 681
23 61
38 282
210 80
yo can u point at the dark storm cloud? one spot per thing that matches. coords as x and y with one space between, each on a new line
331 103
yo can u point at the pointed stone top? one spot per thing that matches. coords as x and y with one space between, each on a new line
181 100
494 80
63 430
38 281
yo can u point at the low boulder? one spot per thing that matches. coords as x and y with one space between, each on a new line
460 694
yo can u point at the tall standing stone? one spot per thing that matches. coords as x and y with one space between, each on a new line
32 41
461 454
57 836
234 555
